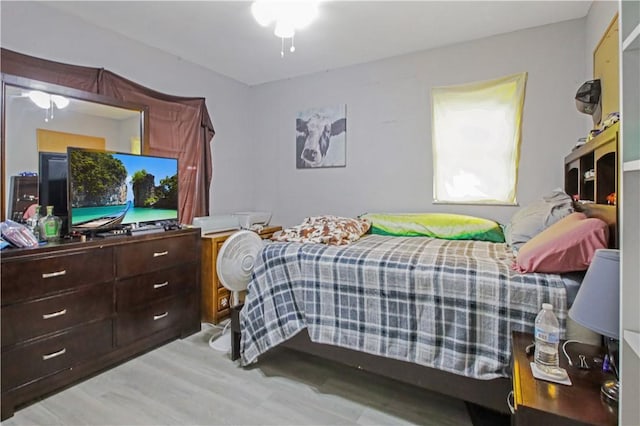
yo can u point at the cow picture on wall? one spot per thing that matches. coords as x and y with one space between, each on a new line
321 137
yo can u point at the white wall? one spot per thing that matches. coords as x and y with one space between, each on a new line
33 28
389 159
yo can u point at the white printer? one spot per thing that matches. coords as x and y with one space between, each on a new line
216 223
228 222
247 220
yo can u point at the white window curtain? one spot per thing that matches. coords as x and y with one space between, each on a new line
476 140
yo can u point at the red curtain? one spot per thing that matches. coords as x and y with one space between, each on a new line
177 126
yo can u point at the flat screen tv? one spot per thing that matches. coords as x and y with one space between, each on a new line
111 189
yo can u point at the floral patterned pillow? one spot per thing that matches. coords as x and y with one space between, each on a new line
332 230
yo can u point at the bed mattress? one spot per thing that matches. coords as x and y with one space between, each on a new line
444 304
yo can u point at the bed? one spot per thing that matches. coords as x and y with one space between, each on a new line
433 312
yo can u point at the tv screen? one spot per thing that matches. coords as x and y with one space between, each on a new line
110 189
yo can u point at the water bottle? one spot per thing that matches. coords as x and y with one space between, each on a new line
547 335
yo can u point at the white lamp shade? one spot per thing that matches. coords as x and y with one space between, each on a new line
289 15
597 305
284 29
41 99
262 12
60 101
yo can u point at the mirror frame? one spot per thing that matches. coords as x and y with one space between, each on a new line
54 89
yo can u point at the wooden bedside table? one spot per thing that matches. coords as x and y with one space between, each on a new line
215 298
538 402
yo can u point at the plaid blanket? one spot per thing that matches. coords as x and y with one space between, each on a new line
445 304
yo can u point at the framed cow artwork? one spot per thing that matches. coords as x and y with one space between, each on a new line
321 137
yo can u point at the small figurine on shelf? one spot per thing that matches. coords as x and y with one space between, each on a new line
611 199
50 226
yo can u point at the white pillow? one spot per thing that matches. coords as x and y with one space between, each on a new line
529 221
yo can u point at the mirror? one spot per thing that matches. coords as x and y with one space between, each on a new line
40 121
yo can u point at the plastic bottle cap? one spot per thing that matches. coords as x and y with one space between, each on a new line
547 306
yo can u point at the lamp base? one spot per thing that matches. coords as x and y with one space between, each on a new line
610 391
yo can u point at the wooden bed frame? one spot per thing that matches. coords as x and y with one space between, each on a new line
488 393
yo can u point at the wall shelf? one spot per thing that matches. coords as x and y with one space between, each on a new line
631 166
632 42
629 412
633 339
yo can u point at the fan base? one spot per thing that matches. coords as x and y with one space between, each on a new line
222 342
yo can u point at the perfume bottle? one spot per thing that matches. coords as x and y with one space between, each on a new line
50 226
32 223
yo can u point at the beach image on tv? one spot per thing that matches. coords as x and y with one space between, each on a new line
109 189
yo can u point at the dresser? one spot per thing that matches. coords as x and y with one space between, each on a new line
216 298
72 309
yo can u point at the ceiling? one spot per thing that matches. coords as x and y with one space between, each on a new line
223 36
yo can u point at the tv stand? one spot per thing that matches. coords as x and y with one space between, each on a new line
71 309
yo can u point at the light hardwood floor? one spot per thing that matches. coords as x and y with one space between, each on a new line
186 382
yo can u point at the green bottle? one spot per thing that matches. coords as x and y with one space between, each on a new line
50 226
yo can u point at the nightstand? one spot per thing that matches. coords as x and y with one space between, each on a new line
215 298
538 402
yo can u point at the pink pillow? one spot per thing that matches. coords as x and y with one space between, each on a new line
567 245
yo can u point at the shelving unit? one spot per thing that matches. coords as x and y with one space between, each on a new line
592 175
630 211
24 192
591 172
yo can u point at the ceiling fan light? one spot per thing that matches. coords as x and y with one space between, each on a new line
60 101
41 99
262 12
284 29
301 14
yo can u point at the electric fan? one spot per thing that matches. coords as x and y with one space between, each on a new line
234 266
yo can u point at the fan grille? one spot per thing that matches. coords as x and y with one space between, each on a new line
236 259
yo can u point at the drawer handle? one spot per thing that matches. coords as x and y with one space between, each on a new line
54 314
161 253
55 354
55 274
157 317
166 283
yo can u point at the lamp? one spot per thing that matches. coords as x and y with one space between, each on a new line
289 16
597 305
46 101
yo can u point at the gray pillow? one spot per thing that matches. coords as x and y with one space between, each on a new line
529 221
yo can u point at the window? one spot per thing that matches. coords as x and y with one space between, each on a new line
476 140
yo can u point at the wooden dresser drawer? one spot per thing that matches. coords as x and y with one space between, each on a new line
39 317
224 298
140 258
30 279
143 289
158 316
52 354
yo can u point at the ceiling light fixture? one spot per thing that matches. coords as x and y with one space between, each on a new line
47 101
289 16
